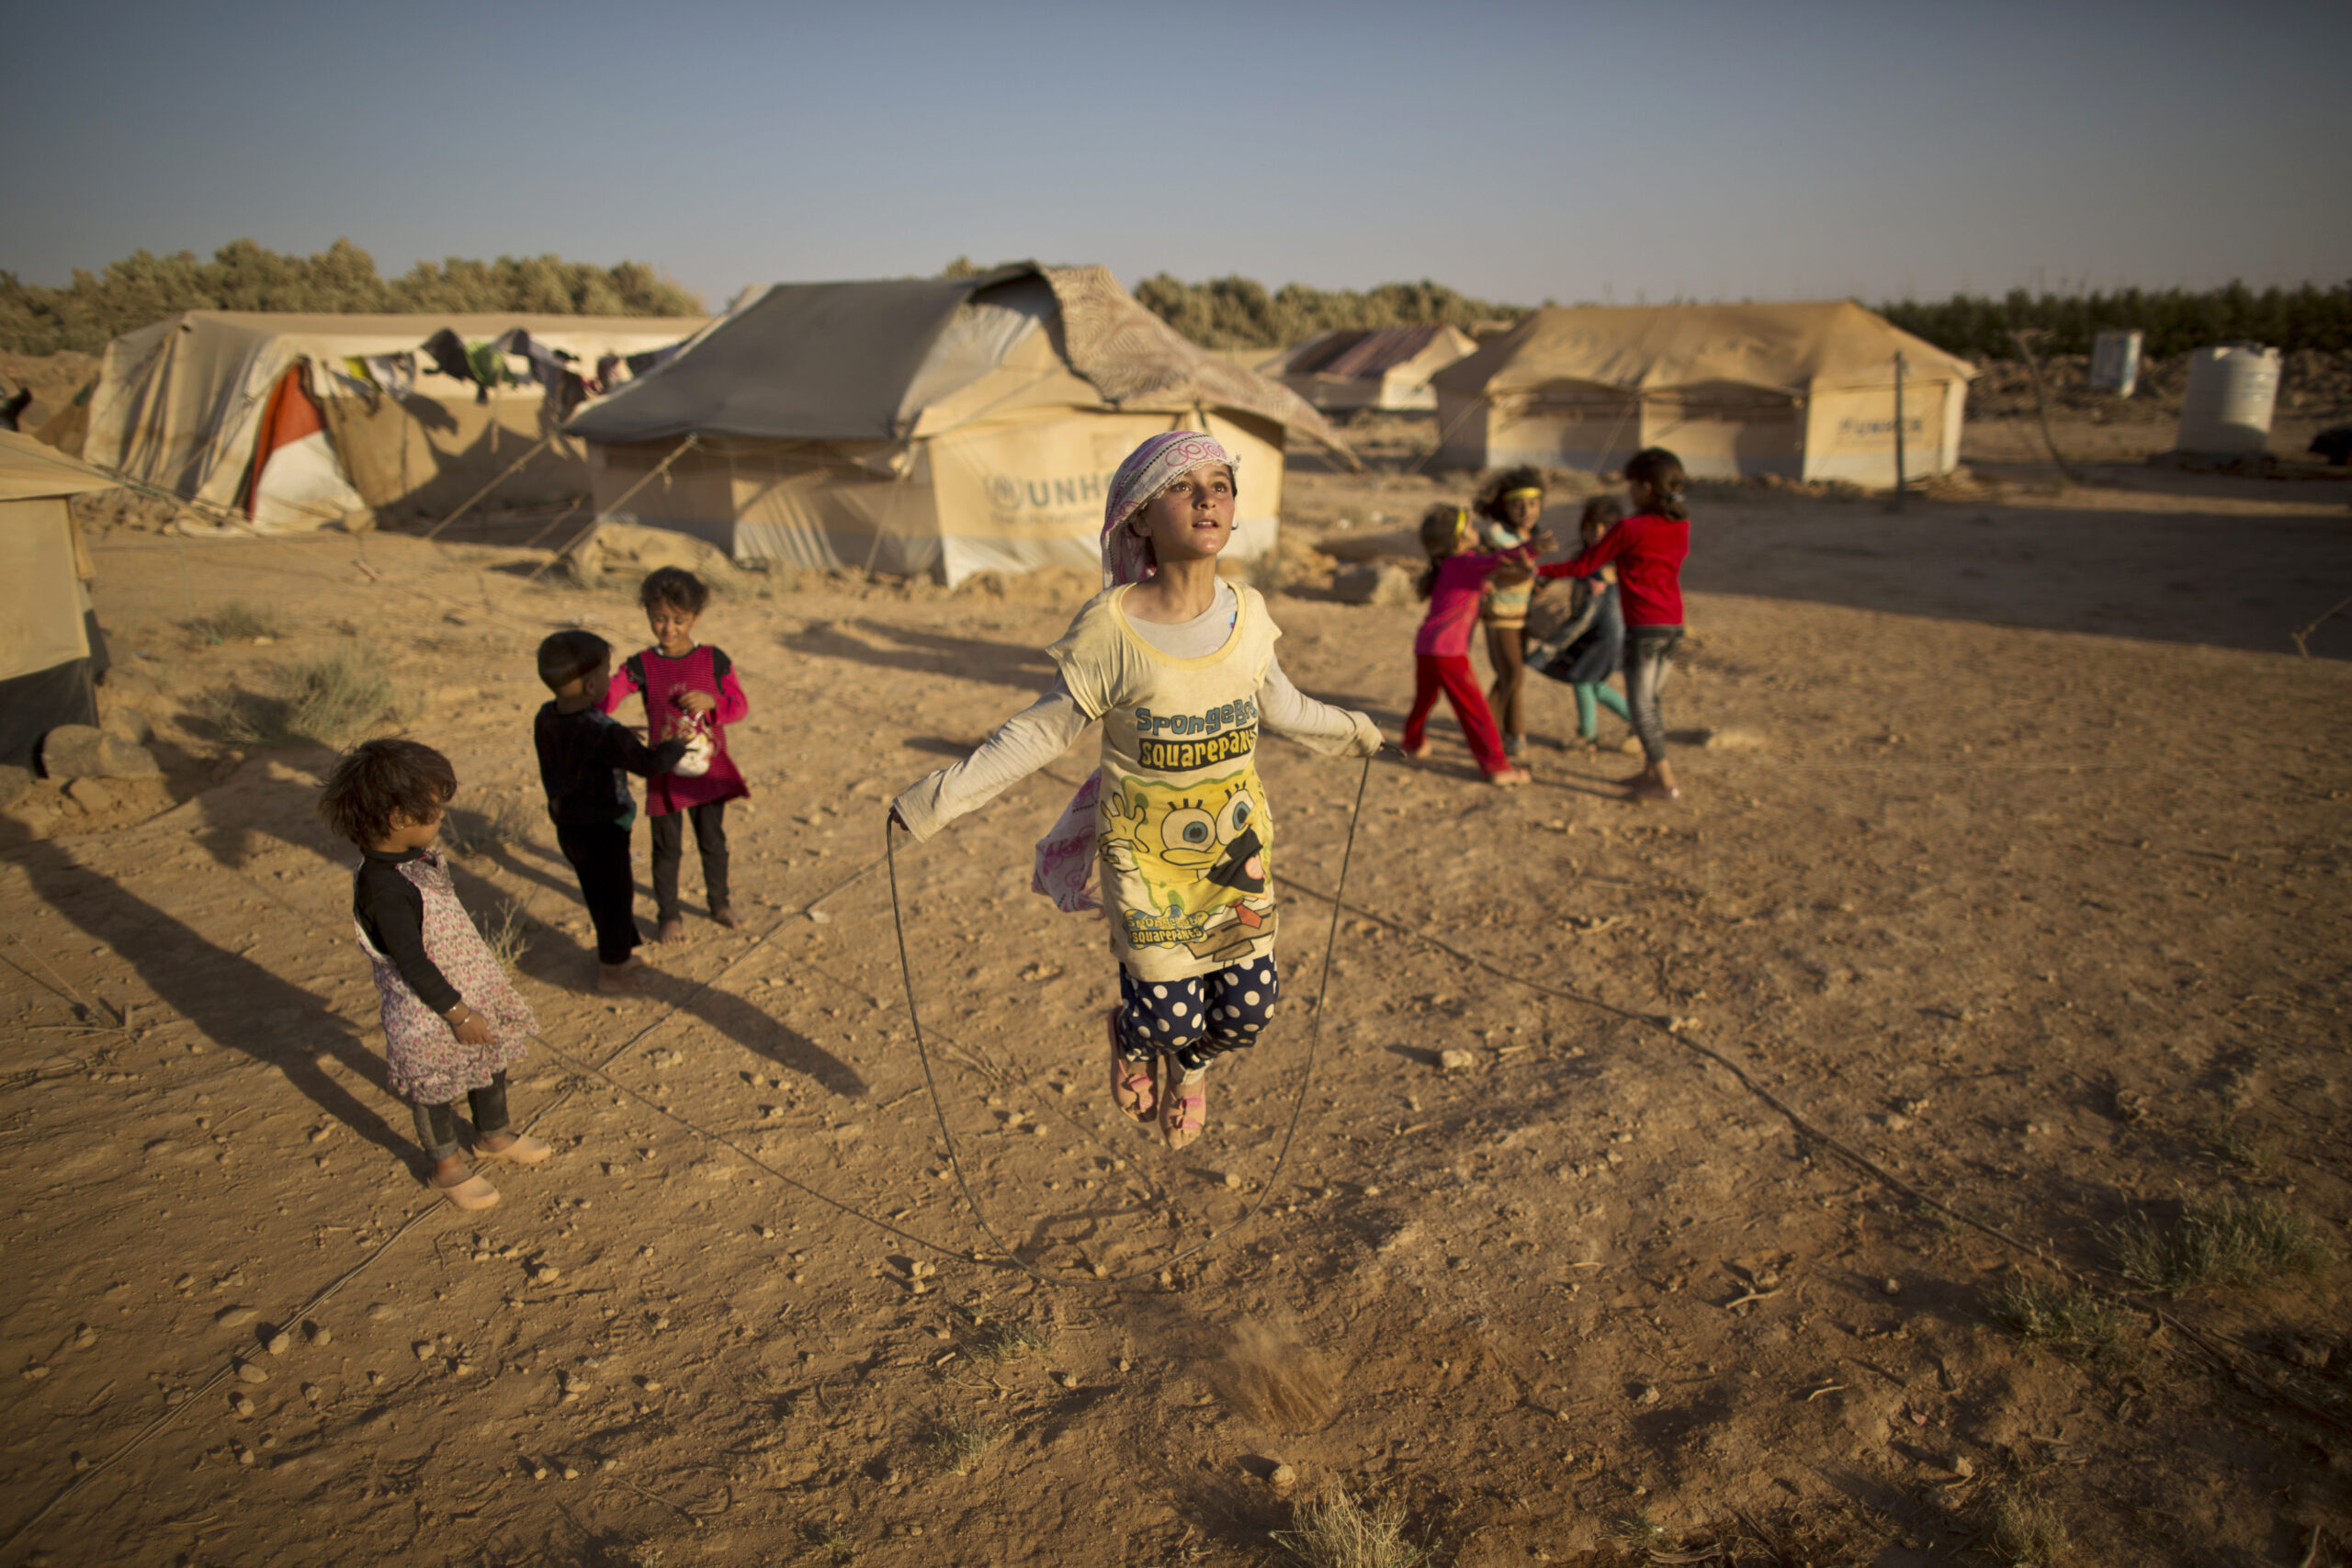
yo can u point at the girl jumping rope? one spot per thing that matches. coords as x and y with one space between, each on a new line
1457 579
1179 665
1649 548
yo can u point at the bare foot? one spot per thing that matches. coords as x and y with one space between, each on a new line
724 916
1511 778
1650 789
1417 752
672 929
629 979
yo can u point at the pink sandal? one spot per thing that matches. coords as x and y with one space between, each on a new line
1133 1088
1185 1109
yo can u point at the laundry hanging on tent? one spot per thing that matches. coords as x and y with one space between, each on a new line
487 363
396 373
447 350
608 368
566 389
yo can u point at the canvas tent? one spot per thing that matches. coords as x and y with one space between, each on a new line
1383 367
47 674
938 425
294 420
1802 390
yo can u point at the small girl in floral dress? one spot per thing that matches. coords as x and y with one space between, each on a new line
453 1023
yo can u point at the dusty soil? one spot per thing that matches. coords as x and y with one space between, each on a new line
2013 859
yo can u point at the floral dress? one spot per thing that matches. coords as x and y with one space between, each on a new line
429 1064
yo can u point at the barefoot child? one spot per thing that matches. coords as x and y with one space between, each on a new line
586 757
1591 643
453 1024
1508 507
1649 548
690 693
1458 576
1179 665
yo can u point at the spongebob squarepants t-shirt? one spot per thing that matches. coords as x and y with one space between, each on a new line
1182 829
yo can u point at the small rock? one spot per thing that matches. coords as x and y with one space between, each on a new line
85 752
1068 1380
1374 583
539 1472
85 1337
235 1317
1964 1467
544 1273
378 1313
251 1373
279 1343
322 1334
310 1391
1233 1179
92 795
242 1403
422 1349
1645 1394
1455 1061
1283 1478
571 1474
35 1372
1892 1287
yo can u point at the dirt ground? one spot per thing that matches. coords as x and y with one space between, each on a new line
2013 859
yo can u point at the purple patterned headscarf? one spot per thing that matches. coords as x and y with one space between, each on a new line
1151 469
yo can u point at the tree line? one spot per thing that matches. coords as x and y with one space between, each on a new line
2174 319
242 276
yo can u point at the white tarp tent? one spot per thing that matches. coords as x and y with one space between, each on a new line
46 654
1380 368
295 420
1803 390
946 425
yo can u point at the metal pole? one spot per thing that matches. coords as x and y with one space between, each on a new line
505 474
1902 479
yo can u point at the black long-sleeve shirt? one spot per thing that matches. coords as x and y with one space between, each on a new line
391 911
585 758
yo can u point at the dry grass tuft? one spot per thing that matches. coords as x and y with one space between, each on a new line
960 1448
235 621
1011 1342
2219 1241
1334 1530
327 701
507 936
2024 1530
1274 1377
2079 1325
469 832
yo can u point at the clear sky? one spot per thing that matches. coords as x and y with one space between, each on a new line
1770 149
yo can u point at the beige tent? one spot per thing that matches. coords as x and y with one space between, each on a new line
945 425
1804 390
46 629
342 413
1383 367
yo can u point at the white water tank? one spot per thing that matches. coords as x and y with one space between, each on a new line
2232 390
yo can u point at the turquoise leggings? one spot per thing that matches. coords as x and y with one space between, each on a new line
1591 696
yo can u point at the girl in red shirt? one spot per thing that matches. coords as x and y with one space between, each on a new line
1454 585
691 694
1649 548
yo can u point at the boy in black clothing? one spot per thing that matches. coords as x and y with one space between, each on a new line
584 758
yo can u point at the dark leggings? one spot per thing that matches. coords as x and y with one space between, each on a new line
1649 658
669 850
436 1126
1195 1020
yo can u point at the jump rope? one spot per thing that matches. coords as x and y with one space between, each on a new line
1290 1130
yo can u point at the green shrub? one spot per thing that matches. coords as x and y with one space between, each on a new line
2218 1241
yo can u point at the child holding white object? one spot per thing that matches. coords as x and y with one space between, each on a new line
1179 664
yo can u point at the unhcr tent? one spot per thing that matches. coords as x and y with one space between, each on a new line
293 420
947 425
1383 367
46 627
1806 391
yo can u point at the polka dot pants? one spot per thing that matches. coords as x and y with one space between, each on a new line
1198 1019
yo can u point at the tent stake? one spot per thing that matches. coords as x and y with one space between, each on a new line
505 474
598 521
1900 478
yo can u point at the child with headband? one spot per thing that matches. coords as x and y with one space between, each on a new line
1455 581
